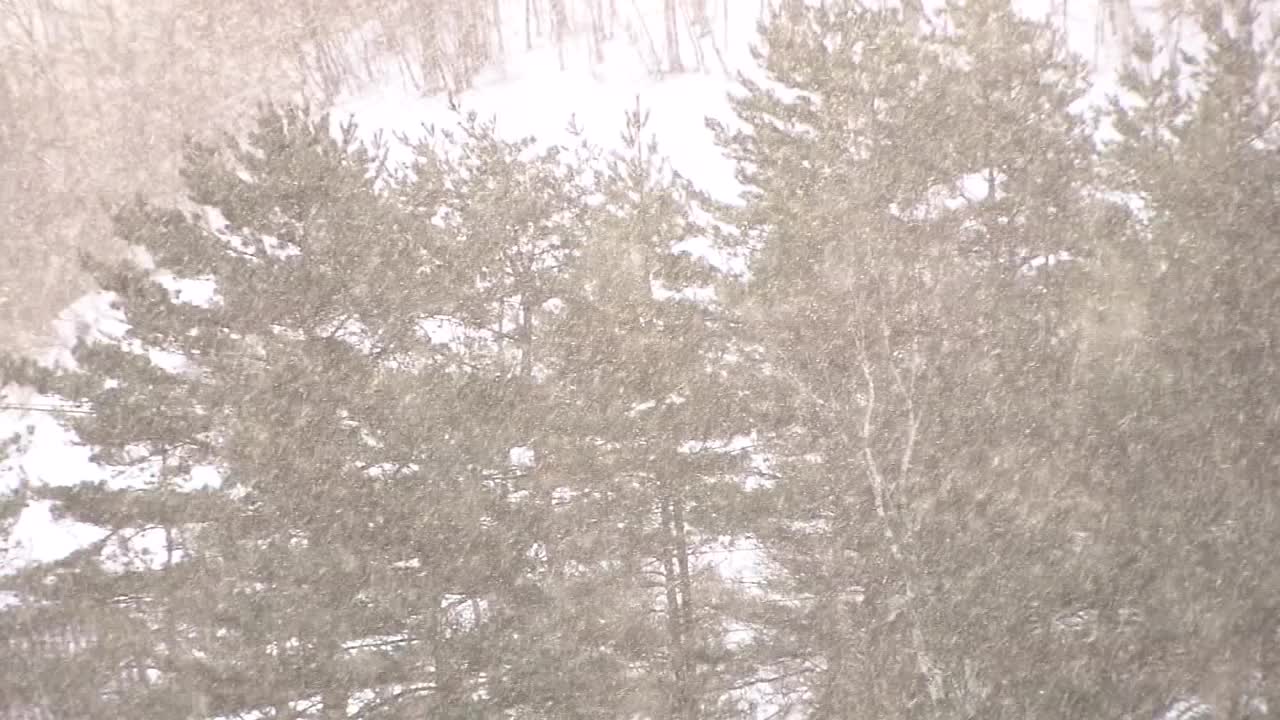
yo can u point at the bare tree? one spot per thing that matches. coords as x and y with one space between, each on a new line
598 33
560 27
496 20
671 23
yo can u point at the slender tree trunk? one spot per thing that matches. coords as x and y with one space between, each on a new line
725 20
702 15
653 47
597 31
334 697
678 641
686 603
444 674
497 26
335 705
695 28
175 654
672 22
528 24
674 635
1099 35
681 547
526 337
560 18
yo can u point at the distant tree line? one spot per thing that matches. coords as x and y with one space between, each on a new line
97 95
994 403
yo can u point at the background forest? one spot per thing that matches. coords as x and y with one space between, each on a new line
96 96
985 384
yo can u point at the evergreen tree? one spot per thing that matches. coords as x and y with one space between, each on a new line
1199 153
925 355
357 506
647 397
472 427
455 443
514 220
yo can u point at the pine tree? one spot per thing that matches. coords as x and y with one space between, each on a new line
514 218
926 357
358 505
647 398
825 163
1198 152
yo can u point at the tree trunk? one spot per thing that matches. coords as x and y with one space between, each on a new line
686 603
497 26
526 337
696 28
725 20
559 19
672 22
597 31
678 660
447 685
333 698
335 704
528 24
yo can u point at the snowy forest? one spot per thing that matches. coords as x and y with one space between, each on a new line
963 403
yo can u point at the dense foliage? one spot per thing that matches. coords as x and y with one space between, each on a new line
993 405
